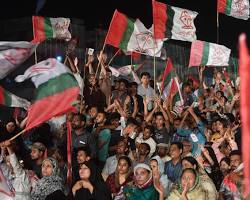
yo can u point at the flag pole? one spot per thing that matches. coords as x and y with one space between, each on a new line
113 56
20 133
154 73
99 62
218 28
33 30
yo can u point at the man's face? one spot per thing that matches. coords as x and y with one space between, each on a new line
235 161
36 154
143 149
81 157
93 112
159 121
77 123
145 80
146 134
121 148
176 123
175 152
100 118
133 89
122 86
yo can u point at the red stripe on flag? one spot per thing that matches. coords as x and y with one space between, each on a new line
44 109
159 19
221 6
116 29
244 68
196 53
168 69
38 29
2 101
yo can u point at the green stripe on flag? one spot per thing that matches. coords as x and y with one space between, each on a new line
48 28
176 97
170 21
7 98
228 7
56 85
169 77
205 54
127 34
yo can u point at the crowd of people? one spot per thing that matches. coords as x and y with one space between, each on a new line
130 143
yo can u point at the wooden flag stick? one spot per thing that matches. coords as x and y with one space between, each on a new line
154 73
99 62
218 29
113 56
20 133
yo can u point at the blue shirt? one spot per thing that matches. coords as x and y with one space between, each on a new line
199 133
104 136
173 171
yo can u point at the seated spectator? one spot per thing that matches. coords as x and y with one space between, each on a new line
231 187
50 186
111 163
206 183
122 176
157 167
91 185
143 188
142 155
147 137
162 152
189 187
173 167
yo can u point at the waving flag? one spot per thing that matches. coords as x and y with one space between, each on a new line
173 23
208 54
47 28
11 100
234 8
132 36
57 89
12 54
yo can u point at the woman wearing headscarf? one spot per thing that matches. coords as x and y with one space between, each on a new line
142 188
206 183
91 185
189 187
157 166
122 176
50 186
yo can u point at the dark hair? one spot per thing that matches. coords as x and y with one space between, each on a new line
150 128
147 145
159 114
84 149
235 152
145 74
226 160
82 117
178 144
114 115
223 121
127 159
131 121
133 84
122 80
191 160
212 155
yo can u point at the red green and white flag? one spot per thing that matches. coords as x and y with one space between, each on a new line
56 91
173 23
10 100
12 54
175 91
235 8
47 28
132 36
124 71
208 54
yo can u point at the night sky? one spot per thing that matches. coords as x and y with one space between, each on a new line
99 13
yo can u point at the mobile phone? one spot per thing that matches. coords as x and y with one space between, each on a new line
90 51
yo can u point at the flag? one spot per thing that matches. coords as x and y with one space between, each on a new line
124 71
238 9
167 76
47 28
12 54
245 109
56 91
11 100
173 23
208 54
132 36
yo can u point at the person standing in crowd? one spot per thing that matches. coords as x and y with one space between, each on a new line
145 90
38 153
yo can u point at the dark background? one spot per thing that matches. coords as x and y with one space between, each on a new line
98 13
